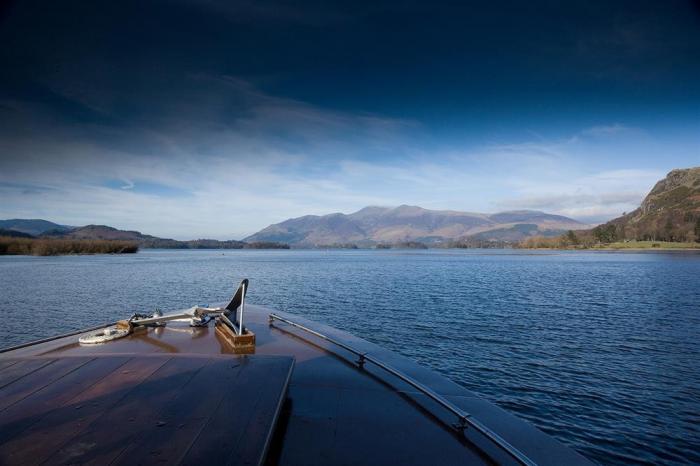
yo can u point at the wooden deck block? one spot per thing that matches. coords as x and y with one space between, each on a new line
141 409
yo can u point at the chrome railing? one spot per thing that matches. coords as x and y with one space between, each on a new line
55 337
464 419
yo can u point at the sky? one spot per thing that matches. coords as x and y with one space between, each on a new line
213 119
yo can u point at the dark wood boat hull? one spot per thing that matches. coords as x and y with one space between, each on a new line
335 412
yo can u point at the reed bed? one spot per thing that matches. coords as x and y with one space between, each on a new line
56 247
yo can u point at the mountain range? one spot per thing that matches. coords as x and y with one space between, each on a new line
394 225
670 212
32 227
45 229
367 227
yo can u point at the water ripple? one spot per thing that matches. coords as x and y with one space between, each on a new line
599 350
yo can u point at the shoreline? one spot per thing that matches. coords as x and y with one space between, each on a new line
629 246
60 247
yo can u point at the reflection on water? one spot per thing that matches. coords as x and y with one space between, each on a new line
600 350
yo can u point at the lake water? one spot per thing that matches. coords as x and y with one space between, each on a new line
601 350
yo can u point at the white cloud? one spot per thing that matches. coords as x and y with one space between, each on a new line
275 159
128 184
241 159
607 130
589 197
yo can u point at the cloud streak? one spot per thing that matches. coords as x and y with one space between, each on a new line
273 158
215 118
227 159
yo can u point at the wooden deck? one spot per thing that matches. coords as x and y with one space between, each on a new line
334 413
145 409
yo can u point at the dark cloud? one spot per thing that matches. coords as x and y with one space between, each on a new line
464 60
366 100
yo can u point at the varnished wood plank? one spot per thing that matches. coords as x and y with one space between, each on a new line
226 429
311 426
38 379
5 363
33 408
184 416
40 441
258 433
135 416
21 369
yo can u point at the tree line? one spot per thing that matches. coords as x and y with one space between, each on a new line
55 247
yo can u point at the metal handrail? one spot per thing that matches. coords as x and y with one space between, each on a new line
464 419
55 337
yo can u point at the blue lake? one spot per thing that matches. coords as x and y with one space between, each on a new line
601 350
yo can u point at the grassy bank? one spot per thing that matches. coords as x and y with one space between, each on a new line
565 242
56 247
647 245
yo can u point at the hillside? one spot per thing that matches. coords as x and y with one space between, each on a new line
386 225
33 227
14 234
668 218
51 231
670 212
104 232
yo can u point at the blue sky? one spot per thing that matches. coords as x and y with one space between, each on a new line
214 119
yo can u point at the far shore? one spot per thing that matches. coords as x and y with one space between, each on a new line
47 246
59 247
628 246
56 247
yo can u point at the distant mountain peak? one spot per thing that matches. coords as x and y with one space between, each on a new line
521 211
371 209
670 212
380 225
32 226
681 182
